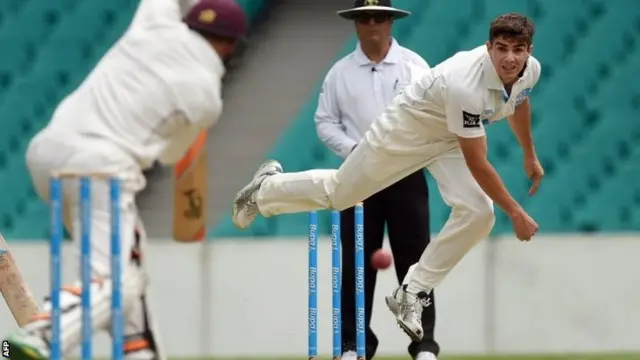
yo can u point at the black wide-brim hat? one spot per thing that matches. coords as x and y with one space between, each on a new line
370 6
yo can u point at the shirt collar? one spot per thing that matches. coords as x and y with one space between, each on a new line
393 56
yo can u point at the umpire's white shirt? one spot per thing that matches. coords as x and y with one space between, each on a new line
356 91
150 95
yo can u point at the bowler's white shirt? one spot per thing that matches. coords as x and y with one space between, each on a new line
356 91
457 95
151 94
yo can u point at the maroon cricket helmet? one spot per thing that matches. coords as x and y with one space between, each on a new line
224 18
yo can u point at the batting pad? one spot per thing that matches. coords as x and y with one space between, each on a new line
134 282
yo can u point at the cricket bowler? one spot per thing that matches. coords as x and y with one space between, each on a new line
438 122
151 95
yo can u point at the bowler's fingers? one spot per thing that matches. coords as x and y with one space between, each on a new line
536 184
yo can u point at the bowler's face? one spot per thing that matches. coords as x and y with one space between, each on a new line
509 56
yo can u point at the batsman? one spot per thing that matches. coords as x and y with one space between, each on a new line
150 99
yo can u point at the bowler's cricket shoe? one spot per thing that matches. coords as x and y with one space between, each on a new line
349 355
245 208
26 346
425 355
407 308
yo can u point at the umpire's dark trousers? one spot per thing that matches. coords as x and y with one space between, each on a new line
404 208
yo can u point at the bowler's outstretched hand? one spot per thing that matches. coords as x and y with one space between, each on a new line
535 173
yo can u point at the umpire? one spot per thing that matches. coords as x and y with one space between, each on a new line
355 92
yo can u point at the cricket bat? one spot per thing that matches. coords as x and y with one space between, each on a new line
15 291
190 193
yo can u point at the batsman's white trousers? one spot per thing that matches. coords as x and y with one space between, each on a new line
396 145
48 153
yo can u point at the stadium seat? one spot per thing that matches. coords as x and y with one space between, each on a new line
10 7
67 58
613 44
572 120
96 19
617 91
500 141
402 28
623 192
41 93
438 23
24 110
252 8
16 57
38 19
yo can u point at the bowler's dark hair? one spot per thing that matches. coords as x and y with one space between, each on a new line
512 26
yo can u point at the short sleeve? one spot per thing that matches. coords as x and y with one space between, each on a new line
463 114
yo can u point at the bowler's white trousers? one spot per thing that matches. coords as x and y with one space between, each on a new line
48 153
396 145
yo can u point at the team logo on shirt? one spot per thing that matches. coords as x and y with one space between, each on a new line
524 94
470 120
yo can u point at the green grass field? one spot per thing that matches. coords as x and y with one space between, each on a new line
444 357
504 357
